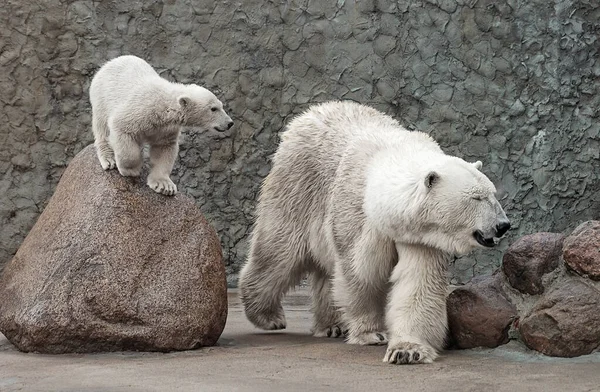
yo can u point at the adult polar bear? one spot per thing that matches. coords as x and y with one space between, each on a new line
132 105
371 210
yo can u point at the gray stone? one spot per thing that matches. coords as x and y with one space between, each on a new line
111 265
396 56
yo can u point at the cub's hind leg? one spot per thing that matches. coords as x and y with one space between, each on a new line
105 153
127 148
128 155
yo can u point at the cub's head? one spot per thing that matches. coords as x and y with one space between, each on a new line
200 108
447 204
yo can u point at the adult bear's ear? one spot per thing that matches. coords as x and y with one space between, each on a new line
478 165
184 101
431 178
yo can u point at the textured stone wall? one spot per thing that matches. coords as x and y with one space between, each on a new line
513 83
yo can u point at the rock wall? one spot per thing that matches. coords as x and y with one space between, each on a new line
511 82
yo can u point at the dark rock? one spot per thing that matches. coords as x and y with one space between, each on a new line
582 250
112 265
529 258
479 314
566 320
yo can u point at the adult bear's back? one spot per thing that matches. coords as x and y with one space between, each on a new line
307 160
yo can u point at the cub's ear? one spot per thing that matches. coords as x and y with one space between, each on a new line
184 101
478 165
431 178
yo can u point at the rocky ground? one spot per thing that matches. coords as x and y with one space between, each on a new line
546 294
250 360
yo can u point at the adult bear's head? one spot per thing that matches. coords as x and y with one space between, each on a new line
201 108
438 200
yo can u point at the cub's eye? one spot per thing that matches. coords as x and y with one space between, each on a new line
213 109
478 198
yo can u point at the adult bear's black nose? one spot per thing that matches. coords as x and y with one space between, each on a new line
502 228
230 124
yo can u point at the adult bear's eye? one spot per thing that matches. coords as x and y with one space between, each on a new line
213 109
478 198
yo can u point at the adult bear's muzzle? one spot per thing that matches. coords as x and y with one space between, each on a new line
491 241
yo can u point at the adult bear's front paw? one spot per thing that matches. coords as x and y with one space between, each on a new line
409 353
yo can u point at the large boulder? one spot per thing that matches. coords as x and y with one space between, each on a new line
565 322
529 258
479 314
582 250
112 265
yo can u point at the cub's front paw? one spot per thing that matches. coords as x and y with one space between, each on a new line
368 338
333 331
409 353
162 185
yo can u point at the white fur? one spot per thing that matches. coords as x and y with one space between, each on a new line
132 106
374 212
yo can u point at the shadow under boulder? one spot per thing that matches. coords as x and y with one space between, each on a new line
556 312
111 265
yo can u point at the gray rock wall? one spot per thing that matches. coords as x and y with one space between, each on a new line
514 83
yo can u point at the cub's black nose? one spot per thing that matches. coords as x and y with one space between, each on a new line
502 228
230 124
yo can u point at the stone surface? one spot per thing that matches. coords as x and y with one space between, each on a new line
247 359
514 84
582 250
529 258
112 265
479 314
565 322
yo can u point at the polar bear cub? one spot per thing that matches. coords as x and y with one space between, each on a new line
374 213
132 106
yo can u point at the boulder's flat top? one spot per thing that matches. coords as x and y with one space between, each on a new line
251 360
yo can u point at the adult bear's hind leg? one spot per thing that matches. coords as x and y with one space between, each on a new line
273 267
360 288
327 317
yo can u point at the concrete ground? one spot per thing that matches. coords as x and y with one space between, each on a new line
247 359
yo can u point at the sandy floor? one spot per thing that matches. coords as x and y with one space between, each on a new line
292 360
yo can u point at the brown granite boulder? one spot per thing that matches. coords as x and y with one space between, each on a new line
479 314
565 322
112 265
582 250
529 258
